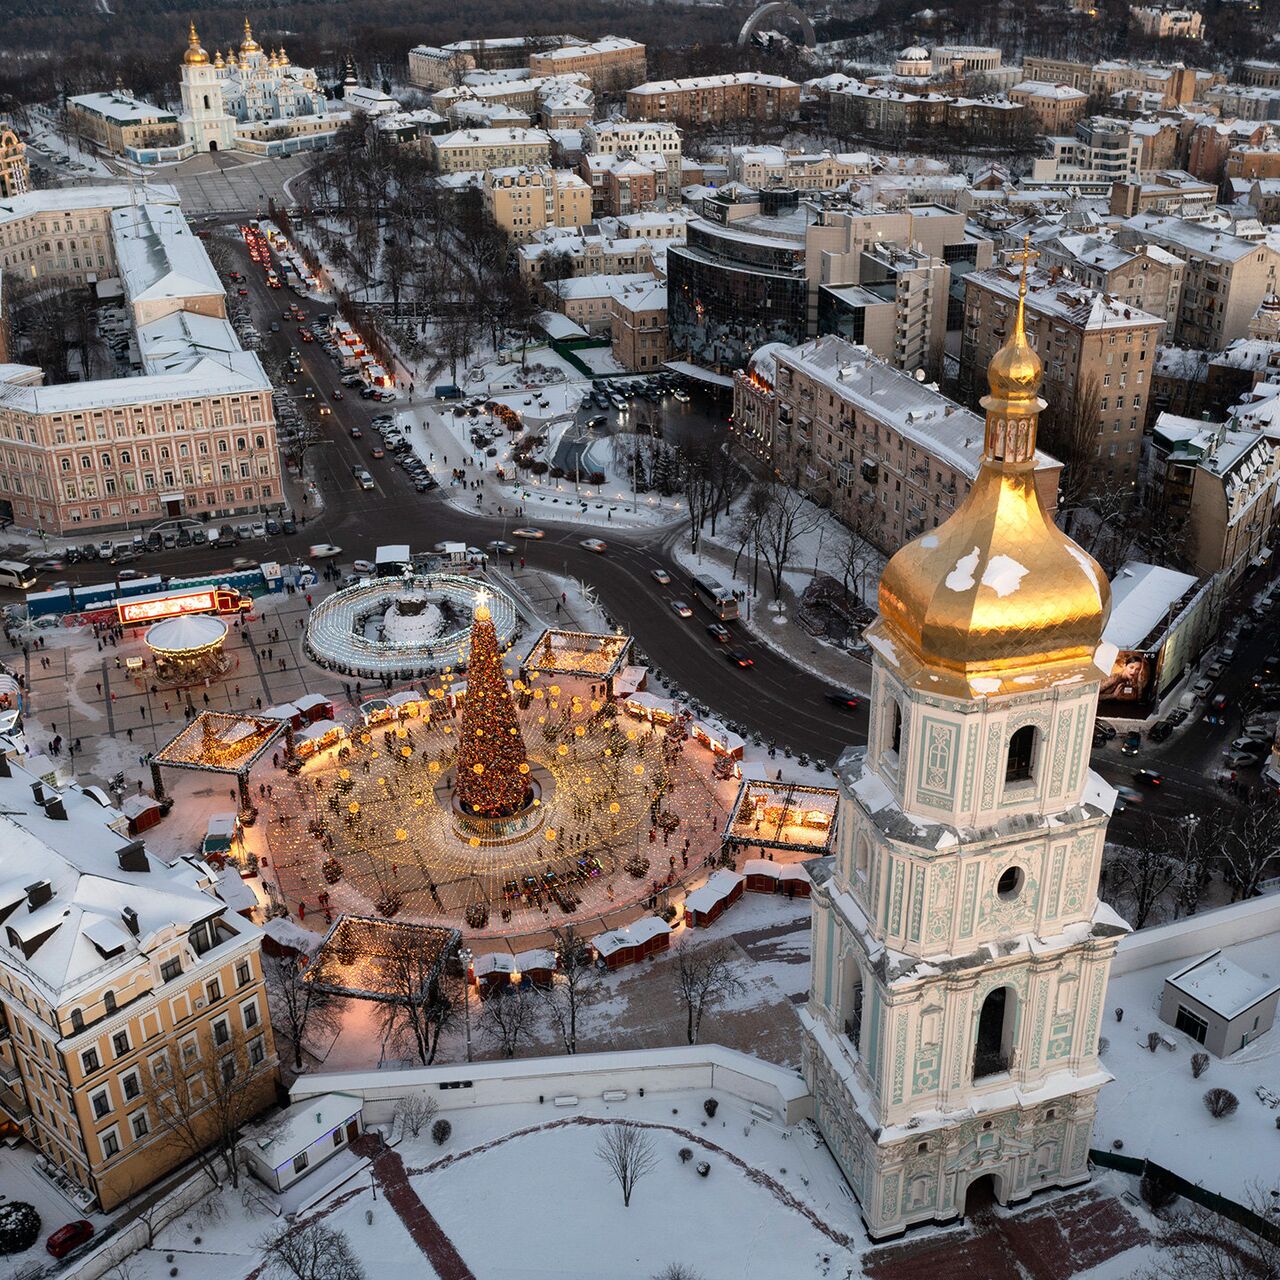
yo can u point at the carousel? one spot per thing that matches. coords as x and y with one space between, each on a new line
188 649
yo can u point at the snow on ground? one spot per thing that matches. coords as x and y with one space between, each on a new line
729 1224
1156 1108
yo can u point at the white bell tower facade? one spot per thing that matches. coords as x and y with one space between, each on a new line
206 126
960 951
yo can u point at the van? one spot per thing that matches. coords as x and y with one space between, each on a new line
17 574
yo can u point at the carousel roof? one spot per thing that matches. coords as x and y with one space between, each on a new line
187 634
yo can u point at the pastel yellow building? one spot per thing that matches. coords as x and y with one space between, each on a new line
523 201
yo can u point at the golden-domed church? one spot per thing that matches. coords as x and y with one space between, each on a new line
960 950
248 86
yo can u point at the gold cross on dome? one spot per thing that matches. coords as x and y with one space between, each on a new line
1027 255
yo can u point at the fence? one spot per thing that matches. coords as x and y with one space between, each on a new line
1190 1190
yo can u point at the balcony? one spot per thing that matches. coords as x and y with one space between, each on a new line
9 1073
14 1105
990 1062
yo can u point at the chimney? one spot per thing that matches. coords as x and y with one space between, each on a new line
5 771
37 790
55 809
133 857
38 894
130 918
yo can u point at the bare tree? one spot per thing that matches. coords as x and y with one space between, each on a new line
1198 1244
677 1271
312 1251
699 487
787 518
420 1001
705 977
1070 433
507 1020
1251 850
415 1112
627 1152
202 1098
576 980
1145 871
299 1009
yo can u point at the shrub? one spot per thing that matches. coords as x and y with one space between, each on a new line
704 1168
1199 1064
1153 1040
1221 1103
440 1131
686 1154
19 1226
1157 1188
677 1271
709 1106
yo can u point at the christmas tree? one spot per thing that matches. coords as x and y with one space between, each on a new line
493 771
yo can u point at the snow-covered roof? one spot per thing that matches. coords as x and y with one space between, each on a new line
302 1125
718 887
1076 304
634 935
1141 596
1216 983
598 286
122 108
82 924
493 138
159 256
74 199
726 80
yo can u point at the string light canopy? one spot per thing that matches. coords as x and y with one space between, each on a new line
784 815
491 750
593 655
218 742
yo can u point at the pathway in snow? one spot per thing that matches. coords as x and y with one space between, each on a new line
1068 1235
427 1234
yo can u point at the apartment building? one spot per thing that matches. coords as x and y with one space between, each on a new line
877 109
1176 85
738 95
1253 160
192 435
1258 71
1225 281
466 149
890 455
117 971
1224 483
1102 150
588 300
1146 278
640 139
1055 108
531 97
766 166
560 255
1162 23
524 201
612 62
1170 192
639 326
1097 352
117 121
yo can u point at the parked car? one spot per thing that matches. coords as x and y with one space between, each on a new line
1132 743
259 529
288 526
1246 759
1159 731
69 1237
1105 730
364 566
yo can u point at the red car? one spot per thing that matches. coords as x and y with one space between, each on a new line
72 1236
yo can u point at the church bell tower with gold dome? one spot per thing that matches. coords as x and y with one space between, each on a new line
960 950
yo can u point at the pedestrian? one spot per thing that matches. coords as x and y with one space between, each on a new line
129 734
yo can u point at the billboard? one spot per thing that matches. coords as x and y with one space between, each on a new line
1132 679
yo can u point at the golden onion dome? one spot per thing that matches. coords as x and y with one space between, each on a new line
195 56
284 57
998 589
249 44
217 59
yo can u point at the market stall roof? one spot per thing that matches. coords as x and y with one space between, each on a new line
784 815
219 742
358 956
596 655
188 633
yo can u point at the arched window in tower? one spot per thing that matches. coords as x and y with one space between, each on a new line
993 1047
851 991
1021 756
862 857
206 102
893 723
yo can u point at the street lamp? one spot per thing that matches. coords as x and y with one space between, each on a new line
466 956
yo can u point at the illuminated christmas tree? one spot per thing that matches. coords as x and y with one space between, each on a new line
493 771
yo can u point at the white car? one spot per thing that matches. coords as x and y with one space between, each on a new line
364 566
259 529
680 607
660 575
594 544
681 396
324 551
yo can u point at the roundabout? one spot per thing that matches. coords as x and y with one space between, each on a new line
518 805
402 628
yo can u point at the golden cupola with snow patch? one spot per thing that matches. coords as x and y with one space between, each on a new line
997 597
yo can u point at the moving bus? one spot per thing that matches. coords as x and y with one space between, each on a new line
13 573
720 600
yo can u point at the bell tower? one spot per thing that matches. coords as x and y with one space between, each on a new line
960 950
205 123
